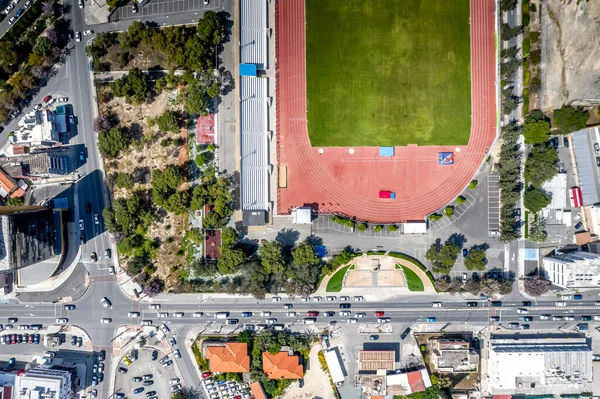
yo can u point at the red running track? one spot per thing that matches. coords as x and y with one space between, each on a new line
348 182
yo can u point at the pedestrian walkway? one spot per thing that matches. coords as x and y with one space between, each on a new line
459 210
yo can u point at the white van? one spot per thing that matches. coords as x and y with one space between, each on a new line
309 320
221 315
437 304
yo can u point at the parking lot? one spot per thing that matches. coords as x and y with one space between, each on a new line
145 366
222 389
164 7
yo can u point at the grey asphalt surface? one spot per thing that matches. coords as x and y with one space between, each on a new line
74 287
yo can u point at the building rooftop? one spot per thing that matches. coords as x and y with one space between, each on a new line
282 366
376 360
231 357
573 269
534 364
212 244
257 390
453 356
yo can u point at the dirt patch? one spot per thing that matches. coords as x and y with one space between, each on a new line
316 381
145 155
390 279
355 278
571 50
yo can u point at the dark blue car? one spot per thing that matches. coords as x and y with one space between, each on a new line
19 12
138 390
465 252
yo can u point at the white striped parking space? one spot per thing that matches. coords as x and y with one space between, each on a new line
493 203
459 210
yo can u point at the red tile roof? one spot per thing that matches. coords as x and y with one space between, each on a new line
282 366
415 380
231 358
205 129
257 390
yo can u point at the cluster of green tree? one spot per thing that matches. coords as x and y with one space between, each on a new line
269 341
199 92
343 221
509 170
215 193
273 268
166 191
128 220
135 84
537 229
536 128
111 142
486 286
539 168
475 259
183 47
442 256
15 201
28 51
435 391
570 119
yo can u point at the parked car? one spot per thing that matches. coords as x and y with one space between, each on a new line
578 226
47 98
566 142
405 333
88 32
71 120
597 148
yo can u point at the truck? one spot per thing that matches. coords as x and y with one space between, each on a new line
387 194
221 315
335 368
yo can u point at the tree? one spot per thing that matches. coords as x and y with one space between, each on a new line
135 84
473 286
124 180
168 122
536 286
442 257
48 8
111 142
537 230
569 119
508 33
490 286
536 199
507 5
540 165
442 283
271 256
210 29
510 102
154 287
195 100
15 201
536 128
230 260
43 46
165 186
105 122
475 260
8 56
304 254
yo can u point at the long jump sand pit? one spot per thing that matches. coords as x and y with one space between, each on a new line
358 278
390 278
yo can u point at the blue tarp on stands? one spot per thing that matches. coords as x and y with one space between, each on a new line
321 251
386 151
247 70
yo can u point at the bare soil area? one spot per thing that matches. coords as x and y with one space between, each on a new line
571 53
147 154
316 381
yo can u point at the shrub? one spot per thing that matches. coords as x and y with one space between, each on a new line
526 100
532 8
377 228
434 216
526 64
535 57
526 76
362 227
569 119
473 184
534 36
392 227
536 286
342 221
526 46
461 200
526 19
449 211
124 180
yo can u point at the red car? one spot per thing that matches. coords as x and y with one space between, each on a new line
206 374
47 98
379 313
312 314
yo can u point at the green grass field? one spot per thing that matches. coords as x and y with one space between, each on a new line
413 281
335 282
388 72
